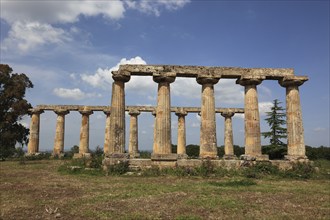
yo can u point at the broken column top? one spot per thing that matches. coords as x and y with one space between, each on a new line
204 71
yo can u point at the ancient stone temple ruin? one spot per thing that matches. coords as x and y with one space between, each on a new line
164 75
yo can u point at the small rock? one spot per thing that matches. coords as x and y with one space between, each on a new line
58 215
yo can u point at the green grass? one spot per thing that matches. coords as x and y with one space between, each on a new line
27 189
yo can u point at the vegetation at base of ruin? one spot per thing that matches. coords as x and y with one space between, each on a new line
39 191
13 106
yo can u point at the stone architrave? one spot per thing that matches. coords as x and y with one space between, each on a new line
84 132
33 145
163 146
229 145
252 119
208 137
59 133
107 132
181 147
133 148
117 117
295 129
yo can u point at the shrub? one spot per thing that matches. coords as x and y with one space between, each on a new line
300 171
119 168
206 169
260 169
145 154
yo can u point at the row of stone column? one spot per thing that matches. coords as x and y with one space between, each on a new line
133 138
208 142
115 122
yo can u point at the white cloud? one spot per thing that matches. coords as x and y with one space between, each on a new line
103 78
319 129
28 35
155 7
264 107
32 22
75 93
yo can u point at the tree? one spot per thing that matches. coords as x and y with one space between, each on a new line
276 119
13 106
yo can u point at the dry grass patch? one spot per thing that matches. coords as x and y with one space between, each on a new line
28 191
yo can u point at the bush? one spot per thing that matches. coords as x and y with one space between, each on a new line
145 154
260 169
192 151
119 168
206 169
300 171
274 152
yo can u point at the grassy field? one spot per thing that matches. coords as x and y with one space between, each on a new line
36 190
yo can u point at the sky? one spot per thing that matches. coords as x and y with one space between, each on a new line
69 48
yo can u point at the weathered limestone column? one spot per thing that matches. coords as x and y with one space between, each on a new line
229 145
162 147
252 119
117 117
107 132
181 147
155 121
208 137
33 146
84 132
59 133
295 129
133 134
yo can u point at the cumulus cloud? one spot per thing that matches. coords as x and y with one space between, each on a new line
319 129
102 78
155 7
264 107
75 93
29 35
36 19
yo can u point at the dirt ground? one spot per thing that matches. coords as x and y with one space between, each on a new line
36 190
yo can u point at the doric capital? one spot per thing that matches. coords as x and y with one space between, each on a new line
154 113
85 111
36 111
250 80
61 111
181 112
121 76
207 80
107 112
227 114
168 77
134 112
292 81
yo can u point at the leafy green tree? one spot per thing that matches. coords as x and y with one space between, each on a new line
13 106
276 119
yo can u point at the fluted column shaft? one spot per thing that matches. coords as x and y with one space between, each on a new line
133 148
107 132
208 137
59 133
181 147
295 129
228 139
163 116
117 117
84 132
251 117
33 145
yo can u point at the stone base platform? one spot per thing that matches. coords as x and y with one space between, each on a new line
143 164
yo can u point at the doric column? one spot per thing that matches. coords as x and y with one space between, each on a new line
162 147
252 119
84 132
229 145
295 129
208 137
117 117
33 146
133 134
59 133
107 132
181 147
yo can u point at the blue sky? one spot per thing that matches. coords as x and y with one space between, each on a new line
68 49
